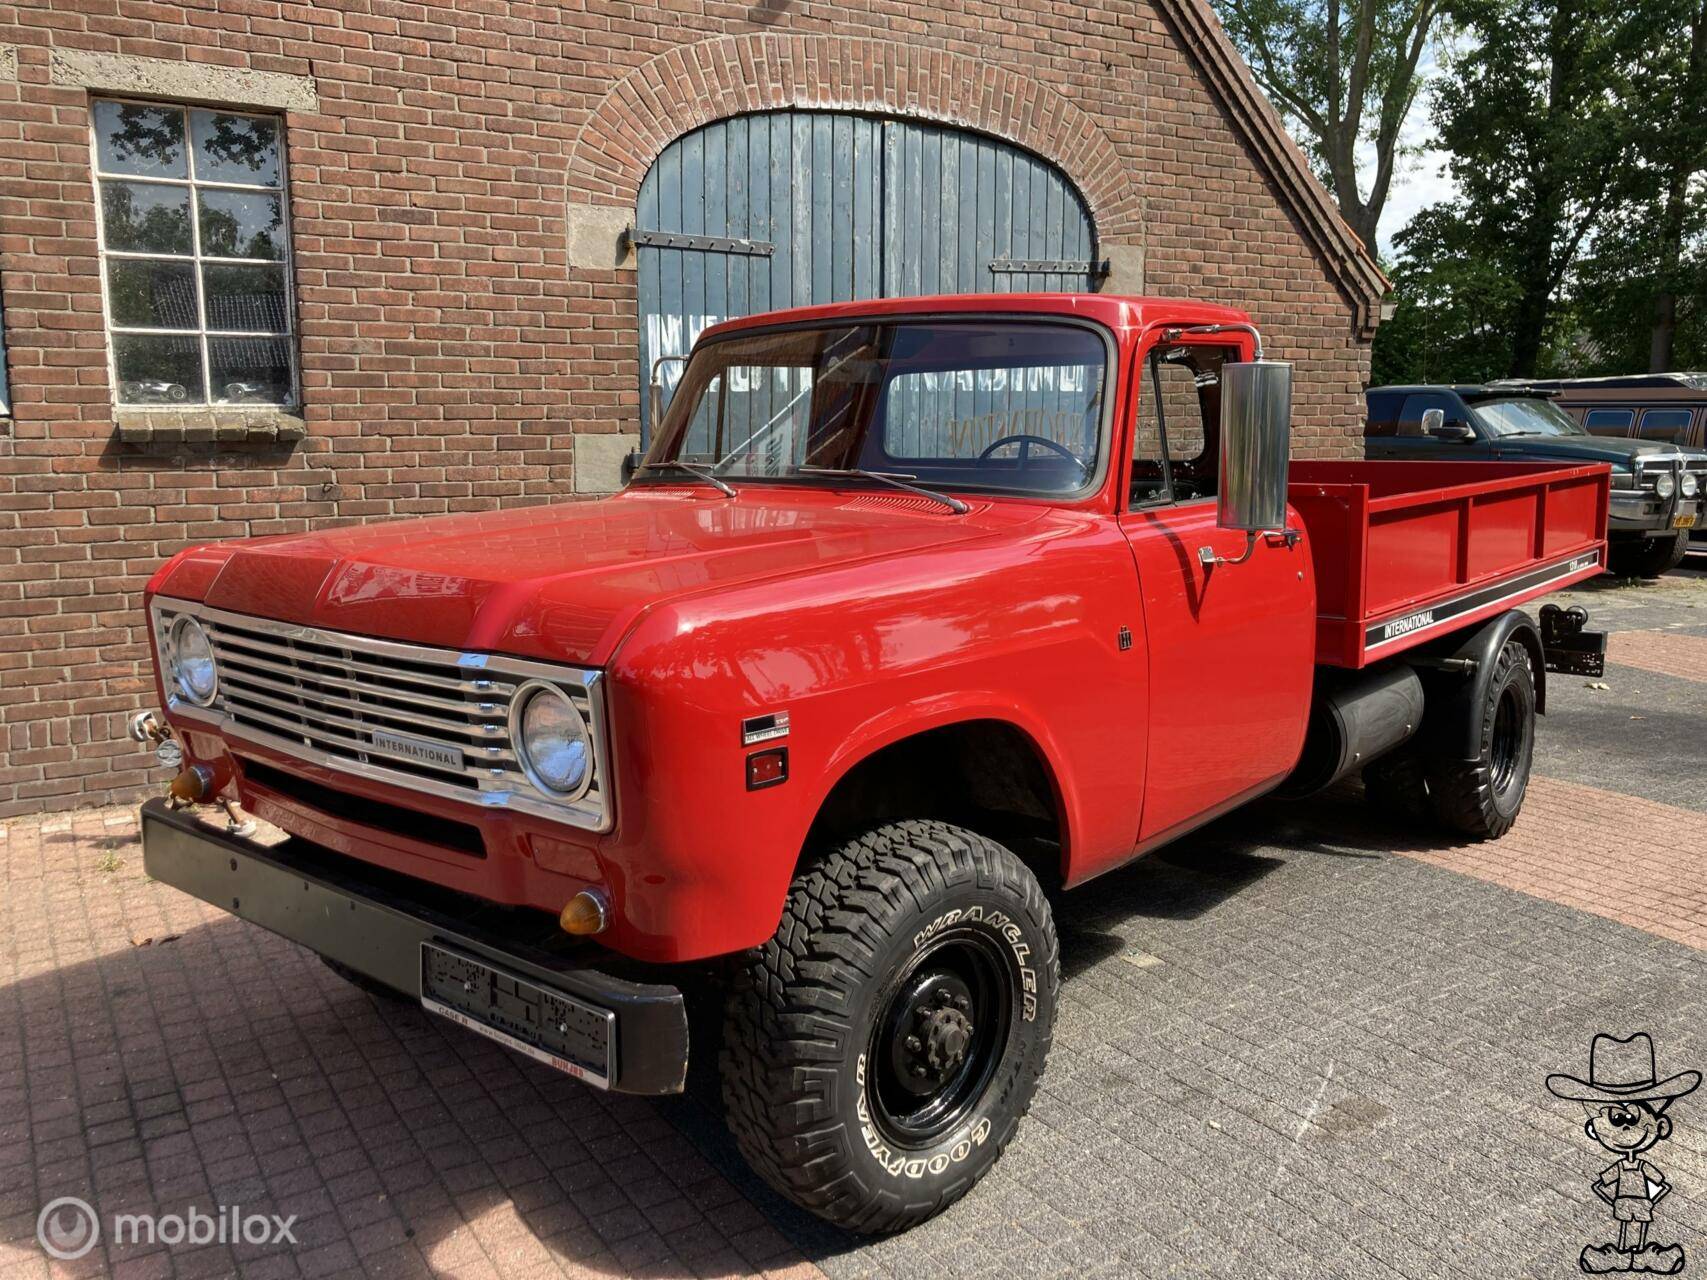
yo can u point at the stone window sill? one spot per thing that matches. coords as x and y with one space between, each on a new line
236 425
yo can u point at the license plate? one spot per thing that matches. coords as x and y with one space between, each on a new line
1683 522
548 1026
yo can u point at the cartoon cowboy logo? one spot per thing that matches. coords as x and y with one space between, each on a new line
1626 1105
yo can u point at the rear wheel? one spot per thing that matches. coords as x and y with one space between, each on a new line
1481 797
879 1051
1397 784
1648 557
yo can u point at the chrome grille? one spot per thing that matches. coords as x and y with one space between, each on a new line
434 720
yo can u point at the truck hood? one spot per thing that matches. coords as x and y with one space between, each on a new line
1617 450
560 583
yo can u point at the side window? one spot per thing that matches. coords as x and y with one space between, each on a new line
1666 424
1418 403
195 255
1380 419
1174 441
1608 422
757 416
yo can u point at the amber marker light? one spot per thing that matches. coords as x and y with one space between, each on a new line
193 785
587 913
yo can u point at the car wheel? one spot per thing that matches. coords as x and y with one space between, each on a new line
1482 797
1648 557
880 1049
1397 784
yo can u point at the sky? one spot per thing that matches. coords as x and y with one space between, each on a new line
1419 179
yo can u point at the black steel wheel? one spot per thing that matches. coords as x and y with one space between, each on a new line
1482 797
879 1051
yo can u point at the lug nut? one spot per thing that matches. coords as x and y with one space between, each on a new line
914 1043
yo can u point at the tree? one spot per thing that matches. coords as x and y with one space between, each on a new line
1536 113
1452 305
1638 292
1345 78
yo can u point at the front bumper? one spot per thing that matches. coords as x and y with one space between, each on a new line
629 1036
1642 514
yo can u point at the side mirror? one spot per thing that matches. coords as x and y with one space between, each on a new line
1256 443
630 464
1434 424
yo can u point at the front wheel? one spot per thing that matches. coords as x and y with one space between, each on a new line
880 1049
1648 557
1482 797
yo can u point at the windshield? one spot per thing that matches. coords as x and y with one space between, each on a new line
1014 406
1524 416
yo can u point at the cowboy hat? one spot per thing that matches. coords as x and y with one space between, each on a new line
1622 1071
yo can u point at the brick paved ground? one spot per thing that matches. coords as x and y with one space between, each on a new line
1304 1042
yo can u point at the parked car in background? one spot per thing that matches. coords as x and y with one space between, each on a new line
1667 407
1656 484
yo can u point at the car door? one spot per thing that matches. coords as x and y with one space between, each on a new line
1231 647
1408 443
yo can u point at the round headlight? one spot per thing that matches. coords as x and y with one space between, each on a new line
1690 485
193 669
551 741
1664 484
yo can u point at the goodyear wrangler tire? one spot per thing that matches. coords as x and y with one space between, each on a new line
879 1051
1482 797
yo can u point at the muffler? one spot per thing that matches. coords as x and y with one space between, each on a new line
1354 720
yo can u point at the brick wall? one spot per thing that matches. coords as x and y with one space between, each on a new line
449 345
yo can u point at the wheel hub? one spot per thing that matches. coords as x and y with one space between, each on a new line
947 1033
934 1032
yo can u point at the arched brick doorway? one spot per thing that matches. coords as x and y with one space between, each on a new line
791 208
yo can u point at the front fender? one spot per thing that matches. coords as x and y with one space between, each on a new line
922 715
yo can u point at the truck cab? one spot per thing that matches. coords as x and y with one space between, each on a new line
1657 485
912 608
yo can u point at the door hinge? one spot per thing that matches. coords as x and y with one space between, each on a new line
705 244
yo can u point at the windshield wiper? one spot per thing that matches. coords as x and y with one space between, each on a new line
693 469
889 478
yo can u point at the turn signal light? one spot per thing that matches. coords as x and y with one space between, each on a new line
193 785
587 913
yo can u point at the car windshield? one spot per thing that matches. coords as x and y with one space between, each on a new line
1524 416
976 404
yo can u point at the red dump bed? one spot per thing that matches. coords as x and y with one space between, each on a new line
1408 551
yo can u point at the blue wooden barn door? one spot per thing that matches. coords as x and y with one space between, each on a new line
790 208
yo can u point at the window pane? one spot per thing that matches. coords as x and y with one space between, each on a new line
1667 424
145 294
133 138
146 217
246 298
241 224
250 370
158 368
236 148
1608 421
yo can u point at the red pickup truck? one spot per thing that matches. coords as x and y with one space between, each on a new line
913 608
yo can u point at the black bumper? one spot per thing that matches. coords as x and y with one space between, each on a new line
458 958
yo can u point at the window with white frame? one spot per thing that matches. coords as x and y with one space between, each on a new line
195 255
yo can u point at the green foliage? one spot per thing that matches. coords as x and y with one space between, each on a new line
1577 131
1346 78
